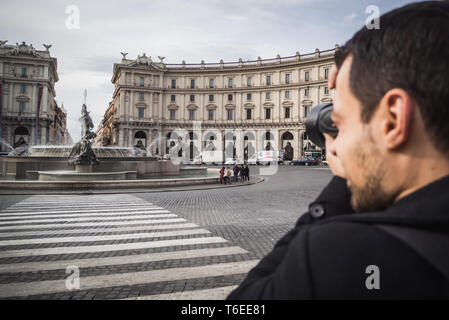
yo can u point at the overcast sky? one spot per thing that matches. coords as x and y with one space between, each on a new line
188 30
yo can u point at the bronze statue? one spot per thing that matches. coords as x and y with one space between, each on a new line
82 153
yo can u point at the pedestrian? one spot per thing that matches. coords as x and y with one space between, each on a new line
246 173
236 172
242 173
227 175
221 174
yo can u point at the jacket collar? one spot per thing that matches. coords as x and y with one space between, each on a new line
428 205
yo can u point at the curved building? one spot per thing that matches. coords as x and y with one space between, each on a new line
238 107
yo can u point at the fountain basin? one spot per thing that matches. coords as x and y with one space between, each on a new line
17 168
63 175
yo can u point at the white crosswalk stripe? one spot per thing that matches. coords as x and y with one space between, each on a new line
109 231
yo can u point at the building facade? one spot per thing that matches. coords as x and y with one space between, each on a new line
27 89
237 107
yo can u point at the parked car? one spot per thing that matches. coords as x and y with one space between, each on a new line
233 161
265 157
306 161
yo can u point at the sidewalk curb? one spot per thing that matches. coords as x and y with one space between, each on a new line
133 190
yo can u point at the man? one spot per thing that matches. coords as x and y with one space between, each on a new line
236 172
391 165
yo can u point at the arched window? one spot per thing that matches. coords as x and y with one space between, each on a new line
287 136
140 138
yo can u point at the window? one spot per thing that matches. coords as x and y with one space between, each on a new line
211 114
248 97
267 96
173 84
229 97
141 112
326 90
192 83
172 114
287 112
23 88
211 97
287 94
211 83
192 97
141 96
142 81
307 76
268 80
267 135
287 78
306 110
191 114
248 114
229 114
22 107
306 92
248 81
24 72
173 98
230 82
326 73
267 113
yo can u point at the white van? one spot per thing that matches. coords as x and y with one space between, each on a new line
265 157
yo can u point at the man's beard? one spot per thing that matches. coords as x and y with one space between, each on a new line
371 196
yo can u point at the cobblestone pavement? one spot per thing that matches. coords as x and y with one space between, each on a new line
165 245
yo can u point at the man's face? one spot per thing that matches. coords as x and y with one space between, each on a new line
355 146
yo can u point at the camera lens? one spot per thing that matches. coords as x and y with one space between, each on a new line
318 122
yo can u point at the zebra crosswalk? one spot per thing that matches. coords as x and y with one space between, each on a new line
120 246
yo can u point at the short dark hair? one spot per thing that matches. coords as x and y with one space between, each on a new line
410 51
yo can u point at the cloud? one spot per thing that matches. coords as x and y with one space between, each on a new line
350 18
177 29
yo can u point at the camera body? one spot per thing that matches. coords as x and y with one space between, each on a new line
318 122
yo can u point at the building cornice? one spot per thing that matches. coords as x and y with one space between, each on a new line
225 67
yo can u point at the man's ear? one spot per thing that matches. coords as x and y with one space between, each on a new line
397 108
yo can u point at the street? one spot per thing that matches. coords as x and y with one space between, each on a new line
196 244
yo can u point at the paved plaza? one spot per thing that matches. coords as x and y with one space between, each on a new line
191 244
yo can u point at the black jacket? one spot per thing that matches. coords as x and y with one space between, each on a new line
327 254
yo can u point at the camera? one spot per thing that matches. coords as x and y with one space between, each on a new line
318 122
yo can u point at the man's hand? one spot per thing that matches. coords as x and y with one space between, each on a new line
333 161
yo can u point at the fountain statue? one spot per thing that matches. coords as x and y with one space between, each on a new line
20 149
82 155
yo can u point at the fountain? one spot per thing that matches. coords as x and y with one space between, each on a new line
84 160
83 166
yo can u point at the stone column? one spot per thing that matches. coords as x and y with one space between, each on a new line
9 137
295 144
11 98
130 138
121 134
163 143
43 135
300 142
44 100
150 113
122 103
239 144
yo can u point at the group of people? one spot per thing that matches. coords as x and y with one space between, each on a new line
237 172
